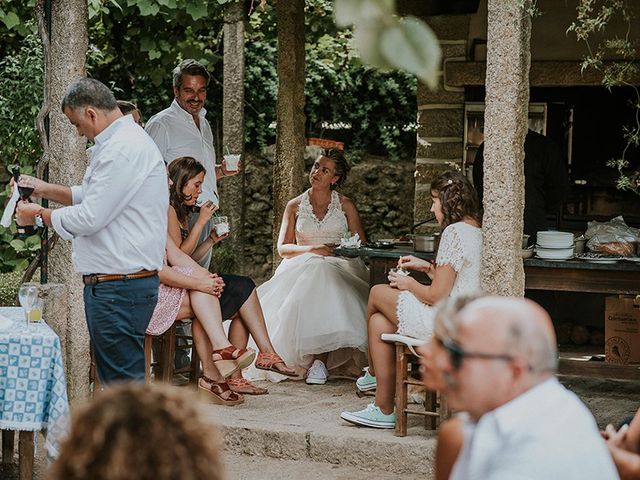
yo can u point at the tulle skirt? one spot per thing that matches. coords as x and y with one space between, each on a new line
315 304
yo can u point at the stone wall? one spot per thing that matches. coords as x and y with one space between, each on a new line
440 114
382 190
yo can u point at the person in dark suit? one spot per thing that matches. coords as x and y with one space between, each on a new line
546 182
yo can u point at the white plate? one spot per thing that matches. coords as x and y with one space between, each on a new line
555 247
607 261
554 259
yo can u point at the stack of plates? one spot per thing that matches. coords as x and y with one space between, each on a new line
554 245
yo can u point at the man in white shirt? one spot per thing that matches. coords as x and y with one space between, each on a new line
183 131
495 359
117 221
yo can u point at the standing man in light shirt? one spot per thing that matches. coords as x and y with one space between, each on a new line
117 221
495 360
183 131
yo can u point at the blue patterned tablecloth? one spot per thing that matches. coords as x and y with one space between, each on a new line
33 390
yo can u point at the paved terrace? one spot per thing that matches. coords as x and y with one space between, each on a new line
295 432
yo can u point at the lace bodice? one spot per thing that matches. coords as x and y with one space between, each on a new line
311 231
461 247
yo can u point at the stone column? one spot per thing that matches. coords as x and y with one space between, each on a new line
440 116
231 189
507 100
66 166
288 167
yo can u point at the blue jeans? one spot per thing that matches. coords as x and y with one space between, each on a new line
118 314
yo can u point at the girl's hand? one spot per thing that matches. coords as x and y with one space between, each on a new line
206 212
212 284
414 263
401 282
215 238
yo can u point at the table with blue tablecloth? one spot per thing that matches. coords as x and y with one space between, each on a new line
33 390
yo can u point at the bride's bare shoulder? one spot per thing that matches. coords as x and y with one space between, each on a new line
294 203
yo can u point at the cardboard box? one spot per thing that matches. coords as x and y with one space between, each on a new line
622 329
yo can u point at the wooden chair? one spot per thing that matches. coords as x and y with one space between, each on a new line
435 407
163 363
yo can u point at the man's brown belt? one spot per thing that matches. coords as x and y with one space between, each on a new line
110 277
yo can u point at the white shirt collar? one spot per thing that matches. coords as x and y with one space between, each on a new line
510 416
112 128
184 114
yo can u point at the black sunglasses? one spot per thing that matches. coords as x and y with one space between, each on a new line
458 354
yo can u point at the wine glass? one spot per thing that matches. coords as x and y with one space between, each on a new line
26 296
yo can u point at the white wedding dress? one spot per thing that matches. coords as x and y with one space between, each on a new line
461 248
315 304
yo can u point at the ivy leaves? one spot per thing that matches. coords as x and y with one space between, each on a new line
386 41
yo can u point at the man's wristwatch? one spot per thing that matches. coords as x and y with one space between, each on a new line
38 220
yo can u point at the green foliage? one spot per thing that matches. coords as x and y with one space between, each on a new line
9 284
377 108
593 17
387 42
20 99
222 259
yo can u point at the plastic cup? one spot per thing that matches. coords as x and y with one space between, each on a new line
221 225
231 161
35 314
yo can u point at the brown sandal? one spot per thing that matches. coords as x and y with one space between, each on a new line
218 393
231 359
268 361
244 386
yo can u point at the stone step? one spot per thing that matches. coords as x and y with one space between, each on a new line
296 421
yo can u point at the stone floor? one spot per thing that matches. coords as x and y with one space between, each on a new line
295 432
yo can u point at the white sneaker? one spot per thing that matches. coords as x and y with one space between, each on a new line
317 374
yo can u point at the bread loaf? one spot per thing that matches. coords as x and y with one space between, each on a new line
623 249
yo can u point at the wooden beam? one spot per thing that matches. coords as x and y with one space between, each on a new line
541 74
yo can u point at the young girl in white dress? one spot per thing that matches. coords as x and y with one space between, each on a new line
405 306
315 303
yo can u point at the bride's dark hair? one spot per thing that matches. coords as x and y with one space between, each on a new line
457 197
342 167
181 170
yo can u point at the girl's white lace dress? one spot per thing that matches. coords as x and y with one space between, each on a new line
461 248
315 304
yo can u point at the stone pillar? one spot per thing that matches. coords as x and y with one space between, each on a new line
66 166
507 100
440 116
288 167
231 189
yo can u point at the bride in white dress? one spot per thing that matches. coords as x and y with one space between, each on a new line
315 303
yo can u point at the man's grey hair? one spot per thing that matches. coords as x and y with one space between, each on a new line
530 342
447 317
89 92
189 67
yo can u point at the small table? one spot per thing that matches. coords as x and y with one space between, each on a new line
33 390
381 259
619 278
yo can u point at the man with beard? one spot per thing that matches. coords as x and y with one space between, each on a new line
183 131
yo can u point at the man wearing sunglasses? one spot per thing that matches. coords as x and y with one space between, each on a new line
495 359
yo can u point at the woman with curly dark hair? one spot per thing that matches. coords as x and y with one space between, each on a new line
405 306
133 431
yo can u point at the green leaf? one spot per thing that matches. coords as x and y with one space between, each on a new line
197 10
366 39
17 244
147 8
32 243
412 46
154 54
11 20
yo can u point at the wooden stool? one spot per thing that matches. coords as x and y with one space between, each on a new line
164 366
435 407
25 451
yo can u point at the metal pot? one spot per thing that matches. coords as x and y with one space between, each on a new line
425 243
